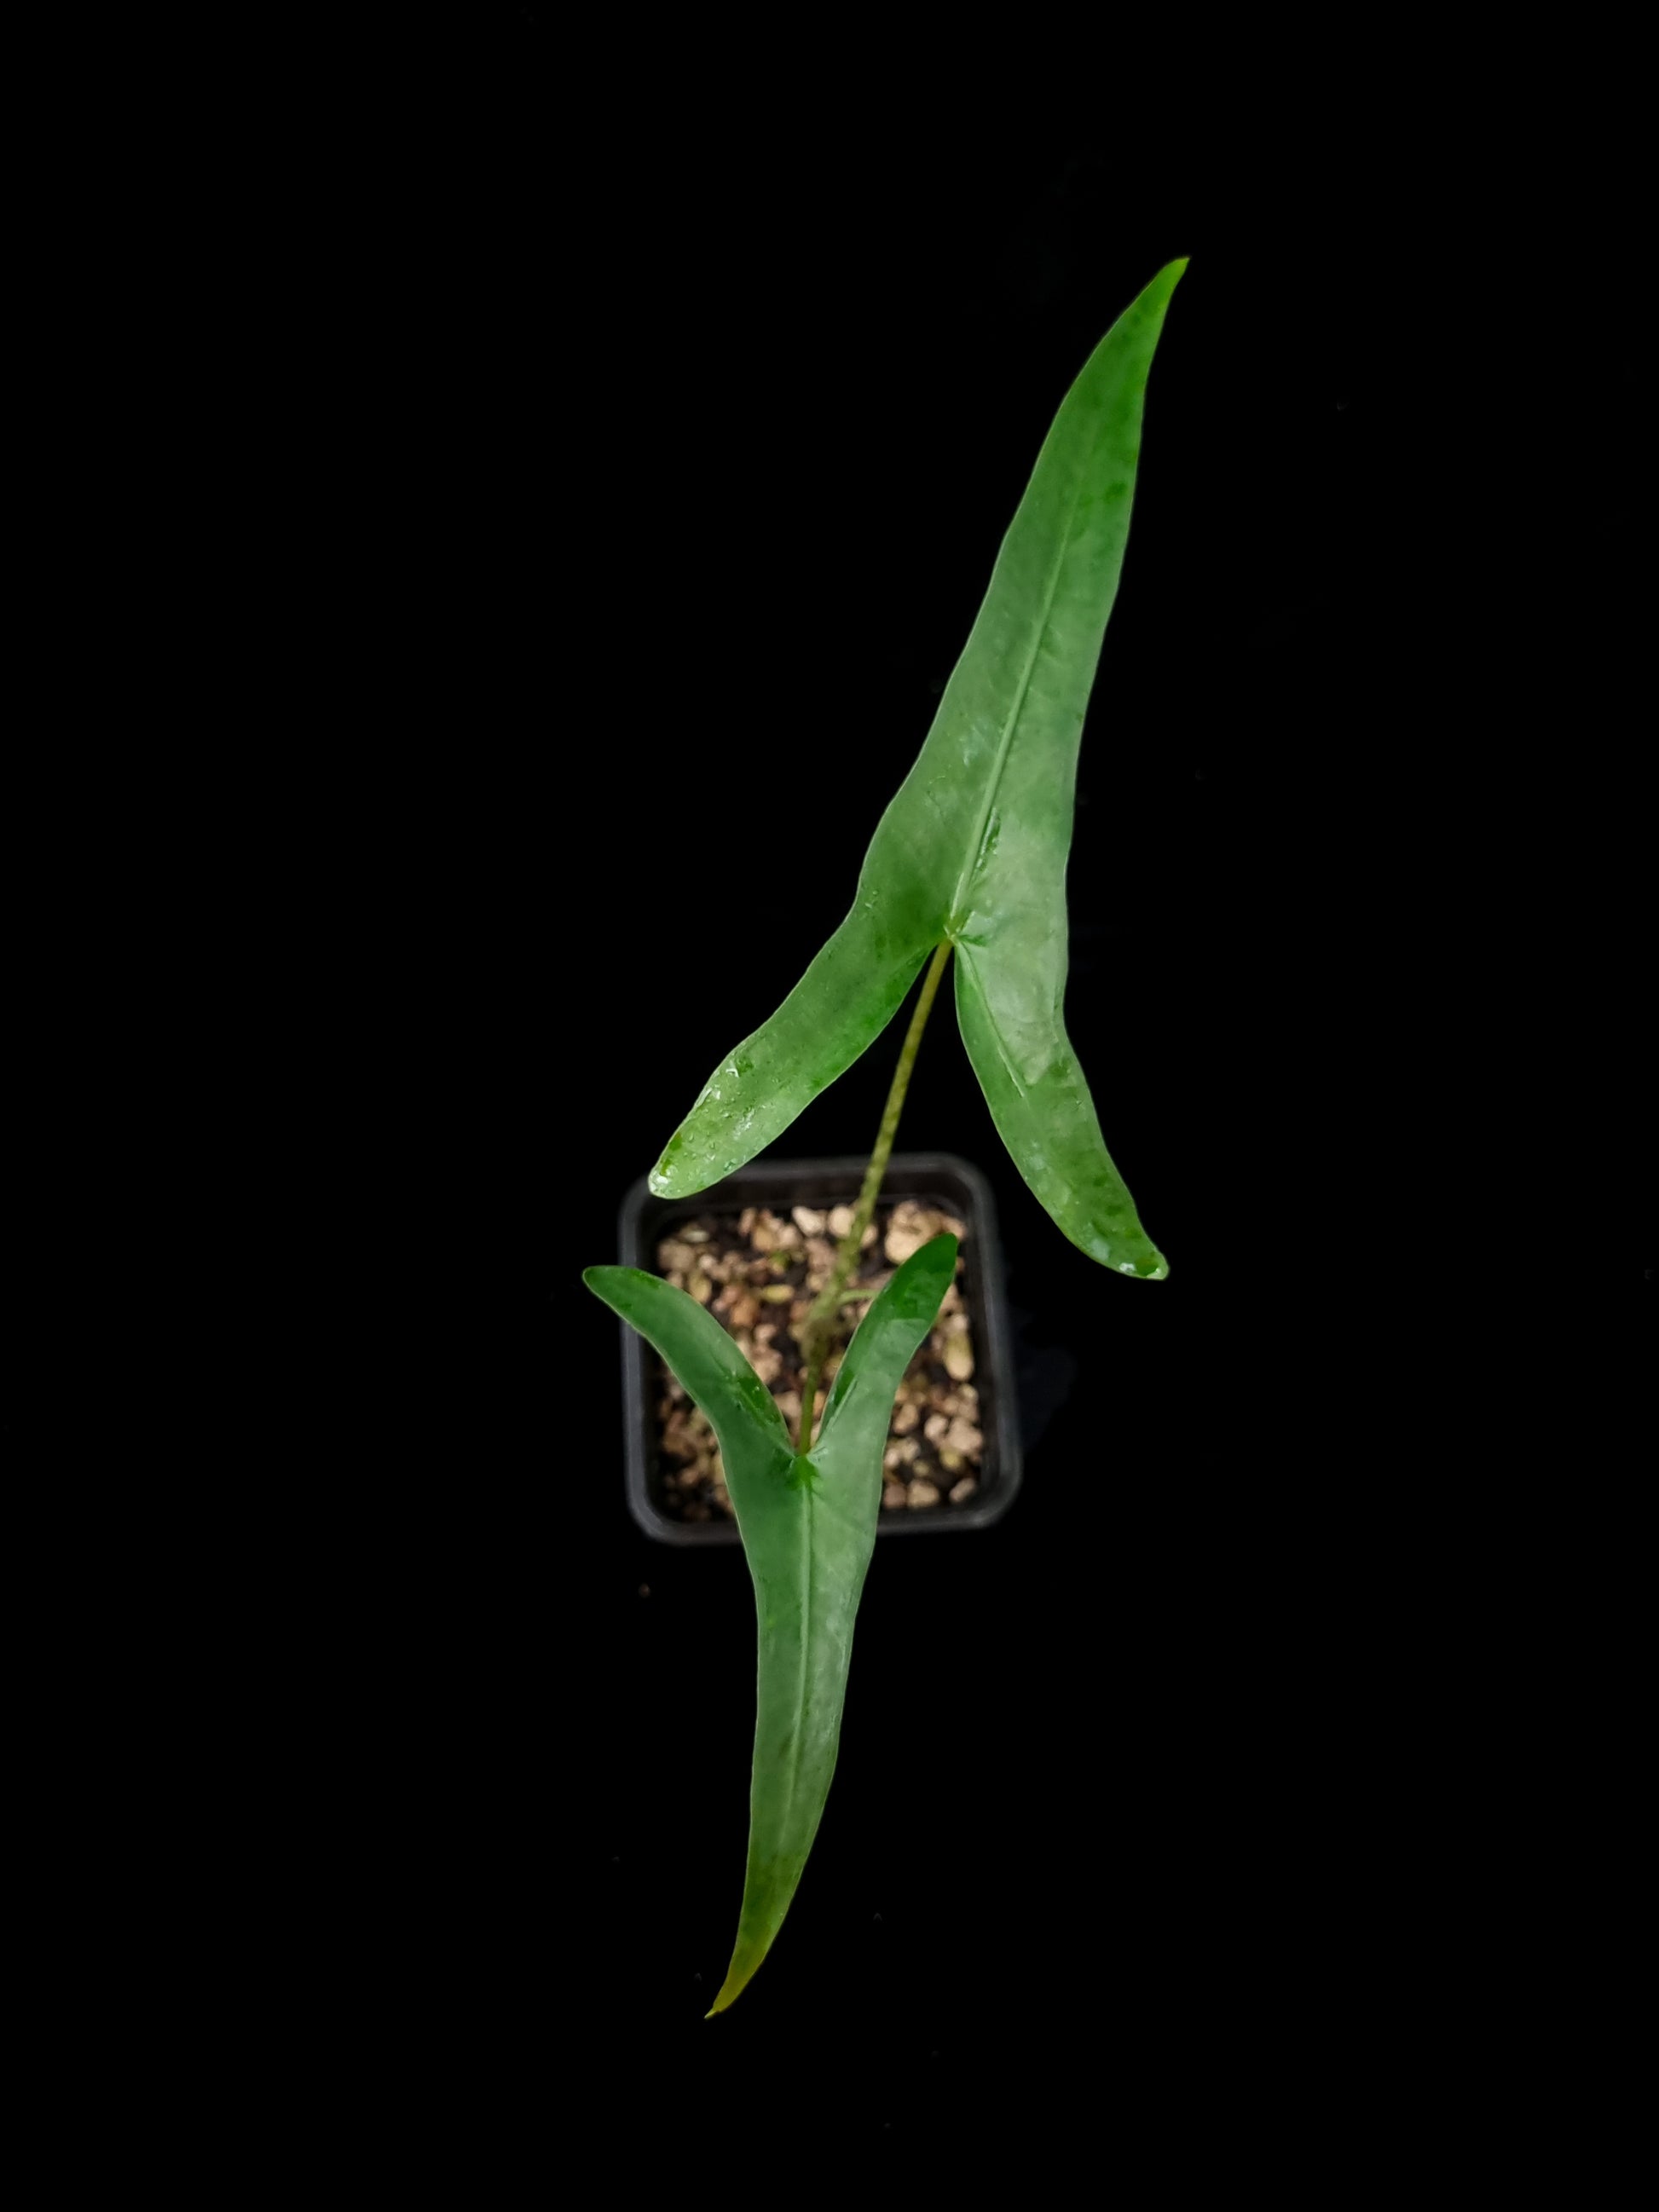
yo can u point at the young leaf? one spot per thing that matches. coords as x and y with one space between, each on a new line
973 847
808 1527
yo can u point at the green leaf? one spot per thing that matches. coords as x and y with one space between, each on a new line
808 1527
973 847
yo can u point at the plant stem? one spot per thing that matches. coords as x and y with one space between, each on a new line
826 1307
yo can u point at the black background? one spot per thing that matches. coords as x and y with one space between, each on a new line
665 470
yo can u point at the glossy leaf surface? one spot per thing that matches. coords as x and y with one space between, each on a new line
974 846
808 1527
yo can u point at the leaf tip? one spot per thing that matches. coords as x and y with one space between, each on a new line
738 1975
940 1261
1161 289
676 1176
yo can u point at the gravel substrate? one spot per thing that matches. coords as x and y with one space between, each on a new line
758 1272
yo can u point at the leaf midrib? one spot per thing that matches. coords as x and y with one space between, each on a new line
955 916
801 1700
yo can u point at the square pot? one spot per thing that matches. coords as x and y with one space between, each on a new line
938 1179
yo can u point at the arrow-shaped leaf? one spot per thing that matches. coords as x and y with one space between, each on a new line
973 848
808 1527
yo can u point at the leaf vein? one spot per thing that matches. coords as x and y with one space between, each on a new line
971 862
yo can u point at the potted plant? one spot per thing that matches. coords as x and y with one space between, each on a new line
966 871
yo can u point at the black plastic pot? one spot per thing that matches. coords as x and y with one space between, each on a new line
934 1178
